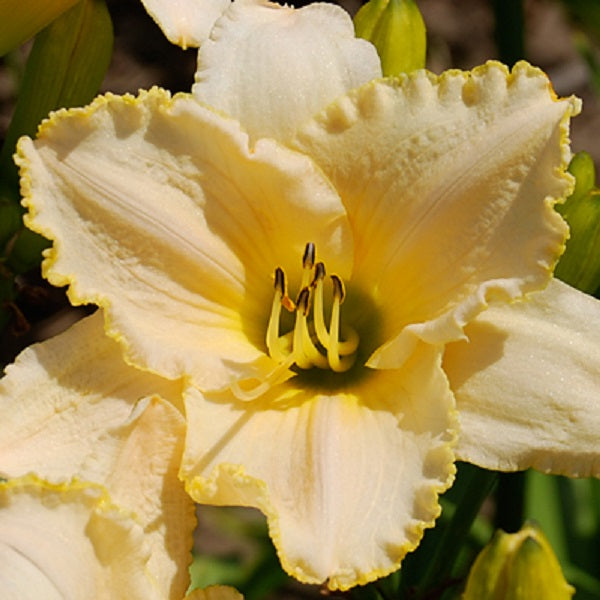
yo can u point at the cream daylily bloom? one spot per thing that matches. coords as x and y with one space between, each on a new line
92 505
423 204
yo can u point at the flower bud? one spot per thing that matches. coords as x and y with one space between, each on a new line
397 30
579 266
518 566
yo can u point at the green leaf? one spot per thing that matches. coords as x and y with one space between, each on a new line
10 221
543 506
26 251
65 68
22 19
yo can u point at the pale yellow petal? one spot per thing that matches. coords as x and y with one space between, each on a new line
70 407
61 397
273 67
161 214
449 184
65 542
146 453
348 478
186 23
527 384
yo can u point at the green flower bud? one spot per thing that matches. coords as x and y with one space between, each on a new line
518 566
579 266
397 30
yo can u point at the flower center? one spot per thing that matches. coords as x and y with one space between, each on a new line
310 343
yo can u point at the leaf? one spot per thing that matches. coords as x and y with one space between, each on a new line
65 68
22 19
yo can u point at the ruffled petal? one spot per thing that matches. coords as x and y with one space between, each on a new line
449 184
186 23
161 214
527 384
272 67
70 408
69 541
348 478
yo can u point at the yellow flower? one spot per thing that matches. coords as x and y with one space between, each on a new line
354 300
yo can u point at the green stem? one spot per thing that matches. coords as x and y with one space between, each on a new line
476 485
510 499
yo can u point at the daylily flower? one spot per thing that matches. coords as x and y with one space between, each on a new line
355 300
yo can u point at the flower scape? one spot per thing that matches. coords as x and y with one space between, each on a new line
318 289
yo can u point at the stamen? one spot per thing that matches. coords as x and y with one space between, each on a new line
303 344
308 262
339 359
308 259
319 314
308 344
273 340
300 356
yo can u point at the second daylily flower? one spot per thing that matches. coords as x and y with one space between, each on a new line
309 280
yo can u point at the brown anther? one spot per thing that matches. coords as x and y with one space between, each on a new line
281 288
308 259
279 281
302 301
319 273
339 293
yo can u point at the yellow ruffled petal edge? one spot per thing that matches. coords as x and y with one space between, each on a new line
527 384
74 394
451 209
69 540
348 480
155 206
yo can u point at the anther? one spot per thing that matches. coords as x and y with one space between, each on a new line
302 302
279 281
281 289
339 292
272 338
340 354
308 259
319 313
319 273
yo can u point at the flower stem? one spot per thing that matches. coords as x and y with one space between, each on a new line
475 484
